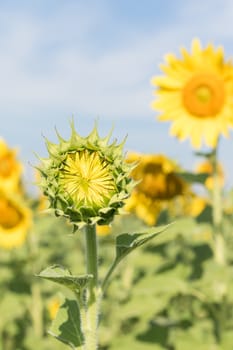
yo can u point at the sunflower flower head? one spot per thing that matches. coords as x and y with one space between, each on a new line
15 220
85 178
10 168
157 185
195 94
156 176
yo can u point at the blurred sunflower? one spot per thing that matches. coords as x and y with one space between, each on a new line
145 207
158 184
196 94
15 221
207 168
195 206
156 175
53 307
10 168
103 230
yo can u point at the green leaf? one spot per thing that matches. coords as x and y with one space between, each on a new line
67 325
59 274
206 155
126 242
194 178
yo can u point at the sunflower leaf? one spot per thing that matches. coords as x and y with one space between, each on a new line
194 178
66 327
206 155
128 242
63 276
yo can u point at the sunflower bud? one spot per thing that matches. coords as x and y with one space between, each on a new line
85 178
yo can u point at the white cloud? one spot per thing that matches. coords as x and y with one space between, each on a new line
52 62
45 62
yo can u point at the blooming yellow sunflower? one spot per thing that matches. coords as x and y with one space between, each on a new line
15 221
157 184
10 168
196 94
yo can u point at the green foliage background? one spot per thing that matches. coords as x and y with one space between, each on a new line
169 294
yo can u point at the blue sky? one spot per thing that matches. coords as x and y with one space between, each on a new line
94 60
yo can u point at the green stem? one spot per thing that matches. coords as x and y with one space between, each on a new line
219 244
82 309
92 289
109 273
217 207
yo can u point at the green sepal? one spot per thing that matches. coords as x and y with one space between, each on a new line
63 276
66 327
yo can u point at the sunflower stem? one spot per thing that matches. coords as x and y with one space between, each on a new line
108 275
92 289
219 244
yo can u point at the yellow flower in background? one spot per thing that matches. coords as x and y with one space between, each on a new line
10 168
53 307
103 230
15 221
195 94
207 168
146 208
157 185
157 176
195 206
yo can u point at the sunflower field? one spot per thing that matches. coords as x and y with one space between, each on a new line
125 251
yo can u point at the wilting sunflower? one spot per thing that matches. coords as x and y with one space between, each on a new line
85 178
196 94
15 221
10 168
158 184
